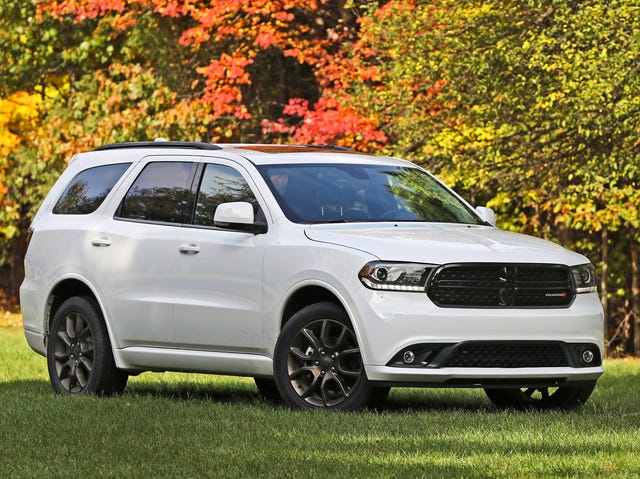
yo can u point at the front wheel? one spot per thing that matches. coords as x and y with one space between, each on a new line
79 355
317 363
268 389
541 398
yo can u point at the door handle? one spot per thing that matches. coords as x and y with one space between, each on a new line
189 249
101 242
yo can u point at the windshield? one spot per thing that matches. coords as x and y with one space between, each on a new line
329 193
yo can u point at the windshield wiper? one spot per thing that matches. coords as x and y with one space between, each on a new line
338 220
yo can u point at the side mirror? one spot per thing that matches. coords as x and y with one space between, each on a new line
238 216
486 214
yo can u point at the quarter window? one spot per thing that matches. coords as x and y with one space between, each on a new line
88 189
159 194
220 184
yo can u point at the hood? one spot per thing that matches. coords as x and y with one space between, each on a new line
440 243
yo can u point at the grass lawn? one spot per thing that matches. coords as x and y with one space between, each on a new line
179 425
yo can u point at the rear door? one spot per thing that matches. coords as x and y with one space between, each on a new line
135 250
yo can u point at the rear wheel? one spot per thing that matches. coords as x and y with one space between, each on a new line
79 355
317 363
541 398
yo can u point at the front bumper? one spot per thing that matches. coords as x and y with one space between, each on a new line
482 377
394 323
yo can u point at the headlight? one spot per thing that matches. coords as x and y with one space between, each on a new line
386 276
584 278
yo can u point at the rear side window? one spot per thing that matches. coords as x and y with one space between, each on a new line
88 189
160 194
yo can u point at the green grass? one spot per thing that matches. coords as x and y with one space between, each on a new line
179 425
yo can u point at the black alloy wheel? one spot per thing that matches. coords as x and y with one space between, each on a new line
318 364
79 354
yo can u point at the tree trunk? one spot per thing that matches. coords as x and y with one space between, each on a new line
604 291
635 292
18 251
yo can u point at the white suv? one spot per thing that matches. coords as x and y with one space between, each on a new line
326 275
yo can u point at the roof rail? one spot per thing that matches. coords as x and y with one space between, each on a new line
196 145
328 147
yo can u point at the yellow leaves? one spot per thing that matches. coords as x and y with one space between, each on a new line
464 137
19 115
499 201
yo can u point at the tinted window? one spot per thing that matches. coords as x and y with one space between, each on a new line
317 193
159 194
220 184
88 189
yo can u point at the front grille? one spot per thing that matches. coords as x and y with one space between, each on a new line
501 286
510 355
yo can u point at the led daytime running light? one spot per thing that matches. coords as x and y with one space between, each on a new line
585 279
384 276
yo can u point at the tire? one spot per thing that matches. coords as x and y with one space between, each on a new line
544 398
317 361
378 397
79 356
268 389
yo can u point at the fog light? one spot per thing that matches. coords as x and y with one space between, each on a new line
587 356
408 357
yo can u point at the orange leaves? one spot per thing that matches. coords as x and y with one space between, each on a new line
229 43
222 79
265 38
283 16
256 23
230 68
328 122
171 8
82 9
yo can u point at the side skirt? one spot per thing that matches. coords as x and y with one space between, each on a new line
180 360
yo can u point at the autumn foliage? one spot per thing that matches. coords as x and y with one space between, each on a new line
226 44
529 107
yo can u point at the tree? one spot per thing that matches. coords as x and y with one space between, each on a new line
19 115
121 70
529 106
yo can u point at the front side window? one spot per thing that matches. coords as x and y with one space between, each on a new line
159 194
326 193
220 184
88 189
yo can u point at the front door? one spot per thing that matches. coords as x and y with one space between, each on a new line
218 273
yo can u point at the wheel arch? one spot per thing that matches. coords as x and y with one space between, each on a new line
67 288
305 296
315 305
317 292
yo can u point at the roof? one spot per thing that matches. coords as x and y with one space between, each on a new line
262 154
262 148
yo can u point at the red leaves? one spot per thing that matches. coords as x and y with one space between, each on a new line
232 34
222 79
328 122
82 9
171 8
